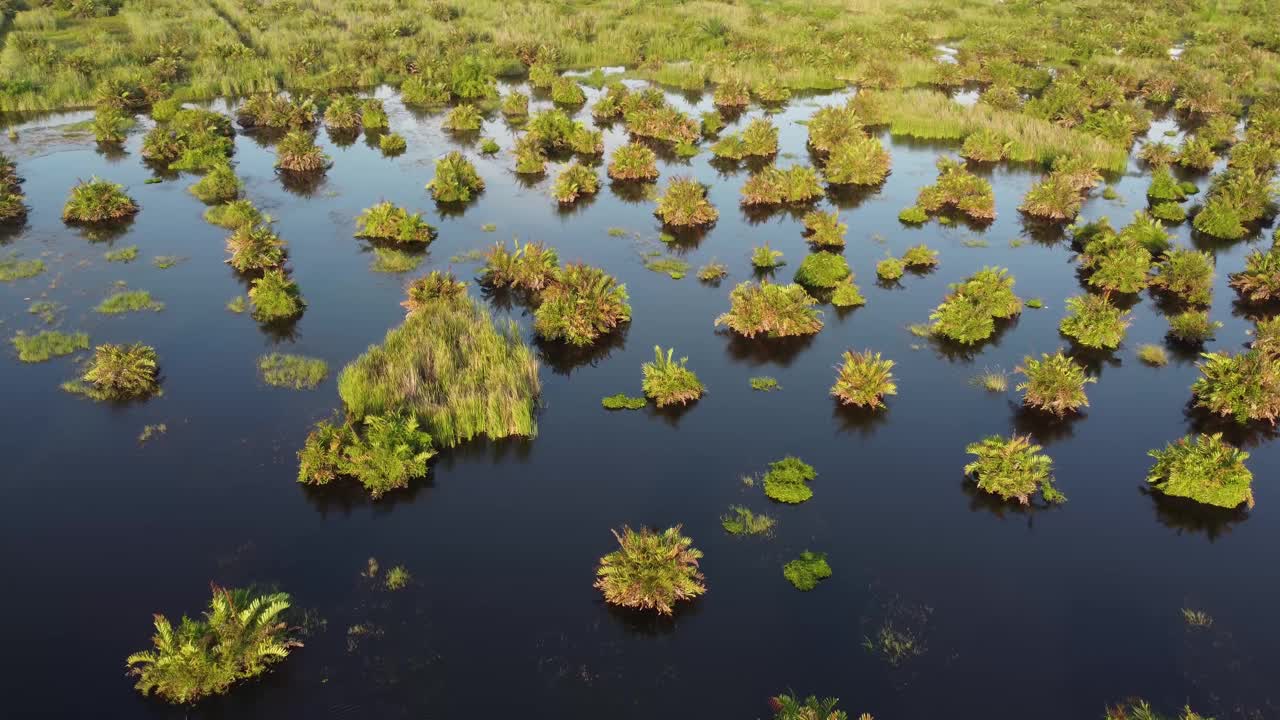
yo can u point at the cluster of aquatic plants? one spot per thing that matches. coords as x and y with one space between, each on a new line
582 303
668 381
847 295
530 267
387 222
97 201
685 204
1185 274
255 247
1094 322
633 161
832 125
127 301
234 214
824 230
651 570
1204 469
193 139
1164 187
732 93
1192 327
13 206
806 571
241 636
119 372
564 91
514 104
648 115
859 160
463 118
765 258
219 185
384 453
1055 384
758 139
960 189
742 521
297 372
776 186
863 380
890 269
985 145
435 285
456 179
298 152
968 313
277 112
392 144
920 257
622 401
275 296
1244 386
1060 195
786 707
823 270
788 480
555 130
1259 281
1012 468
575 181
713 272
771 310
48 344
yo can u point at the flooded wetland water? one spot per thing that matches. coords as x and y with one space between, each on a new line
944 602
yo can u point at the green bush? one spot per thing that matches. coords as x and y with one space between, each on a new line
515 104
633 161
275 296
863 380
298 152
254 247
1197 154
119 372
574 181
48 344
435 285
1204 469
1120 268
959 189
859 160
786 707
985 146
387 454
764 383
713 272
193 139
564 91
392 144
463 118
373 115
1013 469
473 377
832 125
234 214
1169 212
1093 322
1052 198
489 146
1192 327
583 304
669 382
220 185
733 93
1164 187
296 372
890 269
1244 386
239 638
1219 219
1187 274
531 267
920 256
1055 383
343 113
389 223
650 570
824 230
766 258
847 294
471 79
96 201
968 313
110 126
771 310
823 270
277 111
531 159
685 204
788 480
775 186
622 401
1260 280
419 91
456 179
806 571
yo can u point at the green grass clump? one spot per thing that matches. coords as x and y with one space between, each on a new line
456 179
733 93
1013 469
918 257
669 382
514 104
1204 469
126 301
1164 187
1259 282
266 110
771 310
685 204
913 215
1054 198
343 113
1169 212
993 381
193 139
984 146
472 377
741 521
564 91
435 285
96 201
1153 355
219 185
831 125
758 139
397 578
119 372
1186 274
275 296
824 230
623 401
392 144
713 272
968 313
296 372
373 114
766 258
959 189
764 383
823 270
633 161
788 480
806 571
298 152
234 214
583 304
1244 386
254 247
860 160
575 181
531 267
776 186
1092 321
847 295
650 570
489 146
110 126
463 118
1193 327
890 269
1156 153
385 221
863 380
1055 383
1196 154
123 255
240 637
48 344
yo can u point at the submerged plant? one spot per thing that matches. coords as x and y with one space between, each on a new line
764 383
806 571
741 521
622 401
651 570
771 310
296 372
788 480
275 296
1055 383
685 204
119 372
823 270
667 381
239 637
387 222
1094 322
713 272
633 161
863 380
583 304
1012 468
48 344
456 179
96 201
1204 469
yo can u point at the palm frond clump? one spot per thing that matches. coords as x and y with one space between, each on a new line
98 201
531 267
298 152
275 296
435 285
824 230
1260 280
776 186
456 179
968 313
254 247
343 113
584 303
1055 383
633 161
685 204
575 181
960 189
119 372
864 380
651 570
1012 468
788 480
806 571
668 381
860 160
1244 386
823 270
771 310
1186 274
463 118
1204 469
387 222
1092 321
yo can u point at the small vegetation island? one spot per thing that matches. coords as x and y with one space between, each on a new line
856 183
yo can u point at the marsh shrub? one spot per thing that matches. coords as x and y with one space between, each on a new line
239 637
847 295
298 152
1219 219
824 230
1192 327
806 571
463 118
471 79
392 144
120 372
959 189
823 270
373 116
771 310
667 381
583 304
234 214
218 186
255 247
531 266
1146 231
456 179
918 257
633 161
110 126
776 186
863 380
515 104
766 258
832 125
1259 282
435 285
660 122
1164 187
985 146
1055 383
96 201
343 113
1196 154
13 207
564 91
733 93
1204 469
275 296
276 111
1092 321
424 92
387 222
650 570
859 160
1169 212
788 480
1157 154
968 313
474 377
1012 468
758 139
1186 274
387 453
574 181
1244 386
530 158
890 269
1121 267
1053 198
685 204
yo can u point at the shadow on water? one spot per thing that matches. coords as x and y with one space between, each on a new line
861 421
1186 516
1043 427
563 358
764 351
305 185
983 501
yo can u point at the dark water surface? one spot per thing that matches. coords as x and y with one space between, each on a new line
1048 614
